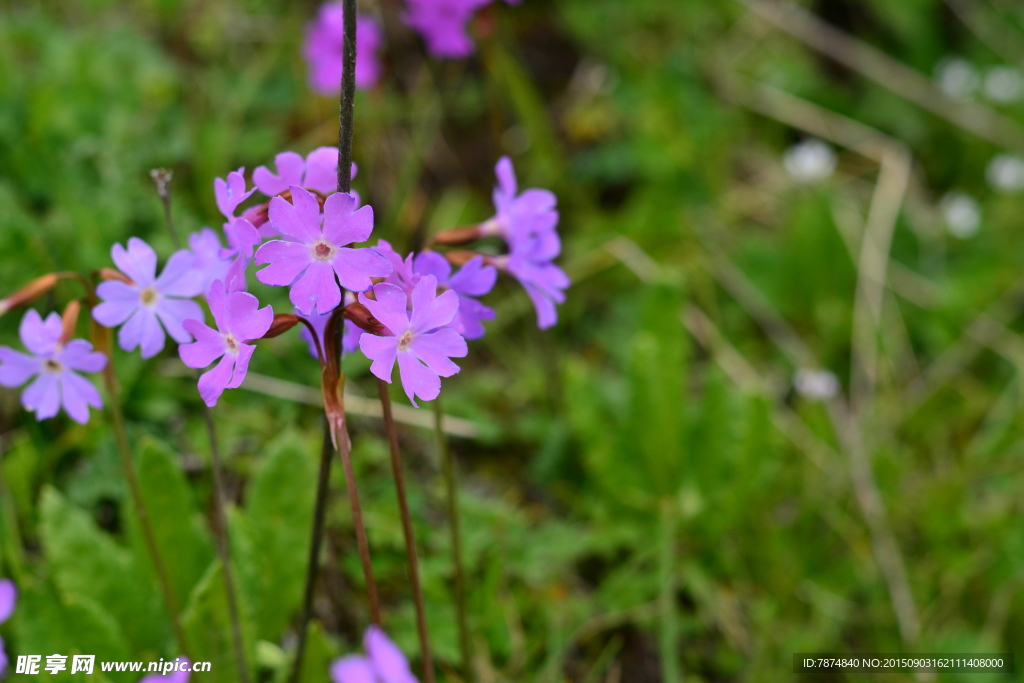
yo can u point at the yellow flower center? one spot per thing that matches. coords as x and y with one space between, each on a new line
405 340
149 296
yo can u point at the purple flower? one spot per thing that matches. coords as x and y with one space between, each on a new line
522 218
53 364
442 24
239 320
323 50
403 272
210 263
318 171
180 676
384 662
473 279
317 252
149 301
421 343
8 599
231 193
528 223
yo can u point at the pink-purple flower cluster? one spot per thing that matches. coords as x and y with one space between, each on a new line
323 49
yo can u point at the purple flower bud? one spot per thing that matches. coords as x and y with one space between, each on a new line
239 321
422 341
56 384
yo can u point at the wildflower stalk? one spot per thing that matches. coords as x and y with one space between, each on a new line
455 530
139 503
224 545
410 539
162 178
316 540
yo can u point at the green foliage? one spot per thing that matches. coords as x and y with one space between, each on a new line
648 490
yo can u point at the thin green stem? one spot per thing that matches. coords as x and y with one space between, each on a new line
455 529
138 502
224 545
668 632
410 538
316 540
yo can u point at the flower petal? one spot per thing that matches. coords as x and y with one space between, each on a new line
208 346
213 382
316 288
120 301
355 267
287 261
77 394
389 307
389 662
299 218
16 368
179 278
435 348
42 396
382 351
78 355
39 336
174 312
142 329
432 263
322 169
343 225
245 352
8 599
138 262
474 278
289 172
352 669
417 378
429 312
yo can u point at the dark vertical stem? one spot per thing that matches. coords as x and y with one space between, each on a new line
410 538
346 117
138 502
357 521
455 529
347 103
315 541
224 545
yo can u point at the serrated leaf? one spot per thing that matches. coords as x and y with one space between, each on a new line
88 564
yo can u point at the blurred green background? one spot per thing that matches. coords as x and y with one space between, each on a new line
782 409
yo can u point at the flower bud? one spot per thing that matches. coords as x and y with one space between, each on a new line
361 317
31 291
70 321
111 274
460 257
457 236
282 323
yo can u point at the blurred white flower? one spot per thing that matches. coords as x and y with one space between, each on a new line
1006 172
816 385
1004 84
957 77
961 213
809 161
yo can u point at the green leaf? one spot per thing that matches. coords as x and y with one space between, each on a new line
207 626
45 624
278 517
184 545
88 564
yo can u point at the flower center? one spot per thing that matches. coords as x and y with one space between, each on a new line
149 296
405 340
53 365
231 343
323 251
